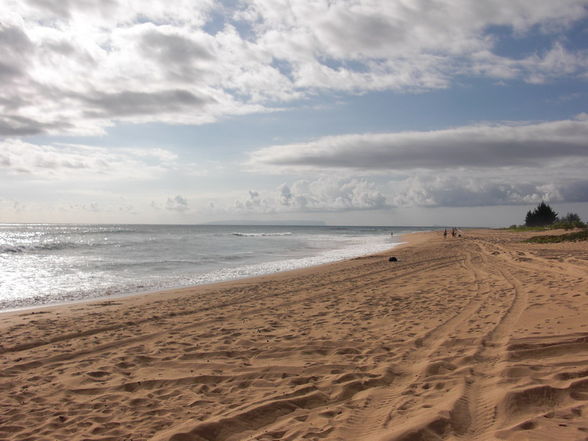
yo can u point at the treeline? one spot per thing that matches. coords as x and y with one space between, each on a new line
543 216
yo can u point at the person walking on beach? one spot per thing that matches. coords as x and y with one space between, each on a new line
445 234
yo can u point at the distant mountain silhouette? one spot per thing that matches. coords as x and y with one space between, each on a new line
312 223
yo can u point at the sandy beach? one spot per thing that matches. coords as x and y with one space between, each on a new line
482 337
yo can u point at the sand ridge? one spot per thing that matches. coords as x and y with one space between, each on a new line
475 338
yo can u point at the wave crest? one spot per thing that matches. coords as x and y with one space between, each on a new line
49 246
287 233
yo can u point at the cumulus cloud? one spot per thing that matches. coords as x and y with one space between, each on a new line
366 193
322 194
80 66
453 191
391 44
254 203
177 203
480 146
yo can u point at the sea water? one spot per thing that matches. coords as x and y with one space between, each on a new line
42 264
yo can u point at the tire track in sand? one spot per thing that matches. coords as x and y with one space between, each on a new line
478 406
385 404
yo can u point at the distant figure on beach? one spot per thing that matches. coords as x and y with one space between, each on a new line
445 234
392 234
453 233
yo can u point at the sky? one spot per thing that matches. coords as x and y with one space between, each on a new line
347 112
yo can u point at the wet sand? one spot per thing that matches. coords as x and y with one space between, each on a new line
474 338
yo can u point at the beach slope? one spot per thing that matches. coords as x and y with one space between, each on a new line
481 337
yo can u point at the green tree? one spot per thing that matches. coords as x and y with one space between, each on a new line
541 216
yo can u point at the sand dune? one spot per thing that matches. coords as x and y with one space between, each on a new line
477 338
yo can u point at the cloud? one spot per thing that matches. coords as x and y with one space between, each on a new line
461 191
554 62
105 105
76 67
575 191
323 194
176 49
400 46
15 46
20 126
68 161
65 8
480 146
177 203
109 12
341 195
286 196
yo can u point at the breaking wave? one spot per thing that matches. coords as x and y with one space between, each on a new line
287 233
39 247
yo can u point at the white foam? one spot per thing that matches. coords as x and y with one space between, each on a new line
373 245
37 272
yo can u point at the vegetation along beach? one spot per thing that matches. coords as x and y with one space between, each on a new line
293 220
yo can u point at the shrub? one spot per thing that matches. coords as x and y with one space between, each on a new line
568 237
571 218
569 222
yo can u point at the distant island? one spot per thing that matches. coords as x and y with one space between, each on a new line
306 223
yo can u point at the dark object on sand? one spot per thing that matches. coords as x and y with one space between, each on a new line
392 259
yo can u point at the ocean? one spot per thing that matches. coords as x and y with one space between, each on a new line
44 264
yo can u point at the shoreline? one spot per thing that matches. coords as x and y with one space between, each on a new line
162 291
480 336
